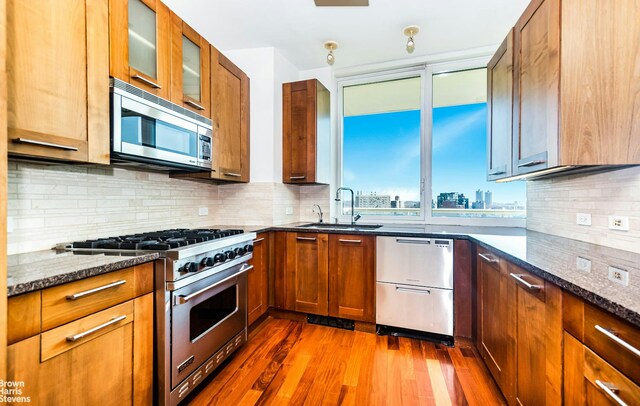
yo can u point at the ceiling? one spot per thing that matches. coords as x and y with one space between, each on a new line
297 28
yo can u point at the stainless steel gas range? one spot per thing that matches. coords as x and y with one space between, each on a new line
200 300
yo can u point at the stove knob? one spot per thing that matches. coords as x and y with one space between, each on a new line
230 254
239 251
190 267
248 248
219 258
208 261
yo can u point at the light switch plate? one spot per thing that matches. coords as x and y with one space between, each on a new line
583 219
618 275
583 264
203 211
619 223
9 224
288 210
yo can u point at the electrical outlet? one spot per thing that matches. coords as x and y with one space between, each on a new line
9 224
203 211
583 264
288 210
618 275
583 219
619 223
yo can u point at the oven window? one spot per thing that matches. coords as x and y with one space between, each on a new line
212 311
148 132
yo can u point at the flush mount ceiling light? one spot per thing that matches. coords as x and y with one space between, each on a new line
331 46
410 31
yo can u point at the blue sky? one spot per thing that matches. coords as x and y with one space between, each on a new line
382 153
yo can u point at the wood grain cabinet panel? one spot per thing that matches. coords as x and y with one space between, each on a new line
306 273
352 277
257 278
57 88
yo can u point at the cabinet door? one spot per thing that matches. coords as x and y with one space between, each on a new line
500 111
497 321
538 339
257 283
536 87
306 273
140 44
299 132
352 277
231 119
190 68
57 93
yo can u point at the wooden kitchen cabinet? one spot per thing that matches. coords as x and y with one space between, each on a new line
307 273
500 111
190 68
140 44
352 276
111 364
57 87
257 278
306 130
572 101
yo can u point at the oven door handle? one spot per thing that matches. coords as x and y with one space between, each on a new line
181 299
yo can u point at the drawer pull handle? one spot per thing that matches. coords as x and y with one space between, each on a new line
525 283
45 144
194 105
489 259
409 290
305 239
297 177
95 290
611 391
147 81
412 241
96 329
257 240
531 163
235 175
350 241
497 173
618 340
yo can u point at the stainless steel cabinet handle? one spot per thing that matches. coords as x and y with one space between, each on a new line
618 340
410 290
95 290
497 173
184 299
350 241
489 259
147 81
96 328
412 241
296 177
194 104
257 240
45 144
305 238
532 163
611 391
525 283
236 175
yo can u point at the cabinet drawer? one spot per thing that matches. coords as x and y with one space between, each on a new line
614 340
64 303
609 382
71 335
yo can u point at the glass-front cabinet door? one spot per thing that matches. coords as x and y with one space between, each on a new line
140 44
191 82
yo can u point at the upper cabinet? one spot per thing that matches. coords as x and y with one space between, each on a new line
573 105
190 68
306 132
140 44
500 110
58 92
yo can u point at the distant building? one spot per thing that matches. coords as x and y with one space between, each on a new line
452 200
395 204
411 204
479 196
488 199
372 200
479 203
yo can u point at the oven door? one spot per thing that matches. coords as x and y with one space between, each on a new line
204 316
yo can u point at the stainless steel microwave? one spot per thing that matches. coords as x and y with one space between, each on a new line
149 131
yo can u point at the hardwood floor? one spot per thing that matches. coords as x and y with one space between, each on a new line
292 362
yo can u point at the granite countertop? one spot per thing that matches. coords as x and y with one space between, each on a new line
42 269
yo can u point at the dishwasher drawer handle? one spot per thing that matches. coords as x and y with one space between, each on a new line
525 283
411 241
305 238
618 340
96 290
410 290
350 241
611 390
79 336
489 259
182 299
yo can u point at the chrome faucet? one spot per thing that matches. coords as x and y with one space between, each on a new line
319 213
354 217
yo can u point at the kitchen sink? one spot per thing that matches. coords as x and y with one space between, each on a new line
338 226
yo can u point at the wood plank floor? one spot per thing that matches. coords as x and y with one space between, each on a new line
289 362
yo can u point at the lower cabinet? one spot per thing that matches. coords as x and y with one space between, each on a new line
257 278
328 275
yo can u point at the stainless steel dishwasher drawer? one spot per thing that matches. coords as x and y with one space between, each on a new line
415 307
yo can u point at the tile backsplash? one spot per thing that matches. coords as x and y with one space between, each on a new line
552 206
49 204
